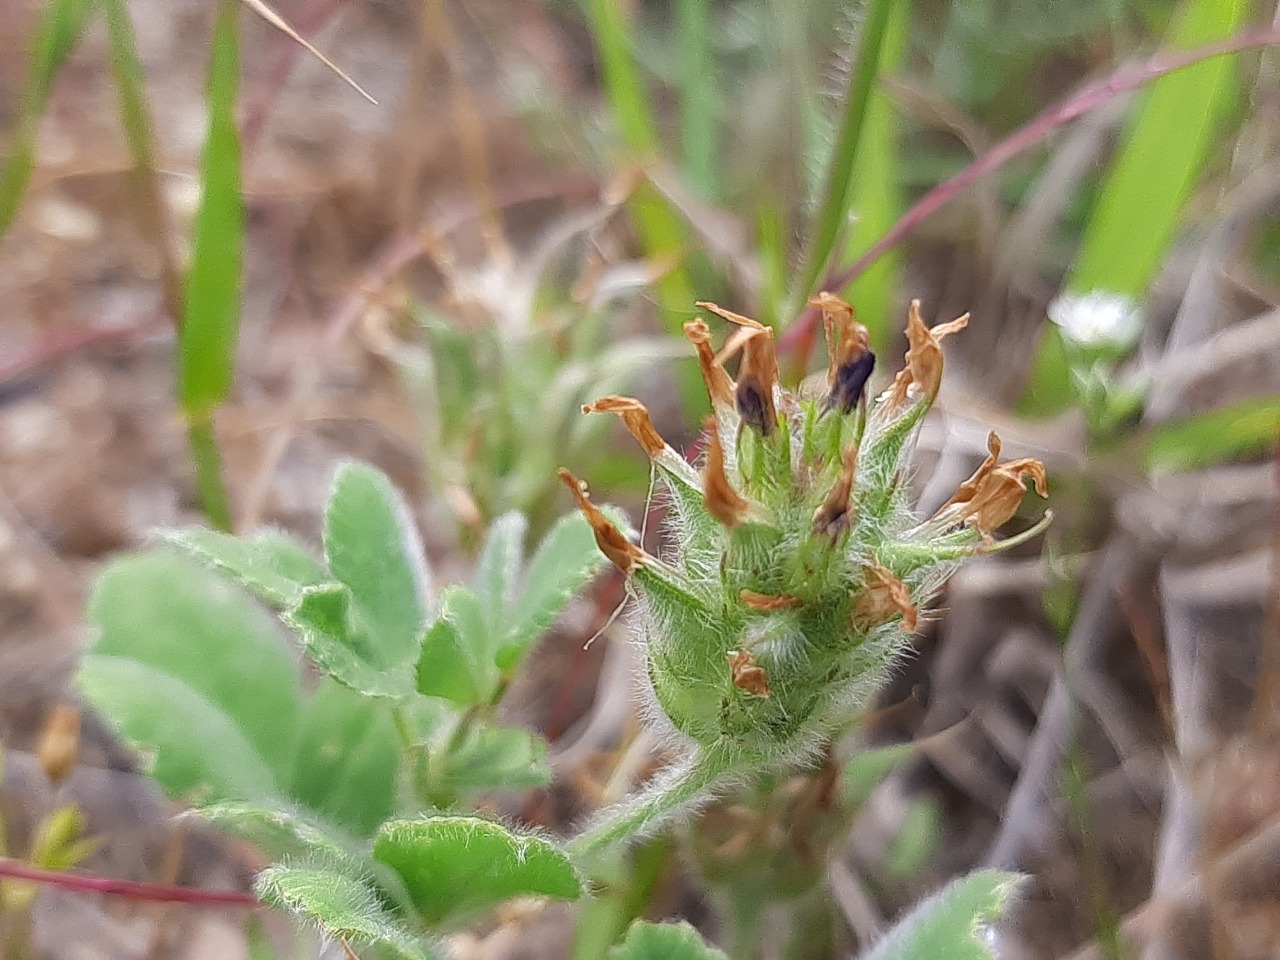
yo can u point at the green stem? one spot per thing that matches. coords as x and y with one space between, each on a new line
677 786
833 208
213 495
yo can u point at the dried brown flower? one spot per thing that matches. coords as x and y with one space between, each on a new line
767 603
636 417
719 384
923 365
834 514
849 357
723 502
620 551
883 597
747 674
758 373
990 498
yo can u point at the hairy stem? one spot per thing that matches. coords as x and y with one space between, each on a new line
676 787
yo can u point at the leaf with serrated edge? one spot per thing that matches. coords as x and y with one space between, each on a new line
566 559
373 547
270 565
663 941
335 641
955 922
343 906
453 865
499 566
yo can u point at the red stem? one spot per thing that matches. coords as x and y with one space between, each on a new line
133 889
799 337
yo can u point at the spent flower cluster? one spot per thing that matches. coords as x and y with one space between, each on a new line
797 564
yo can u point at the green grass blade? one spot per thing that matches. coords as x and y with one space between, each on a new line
1139 209
834 205
1243 429
135 118
661 234
697 97
211 310
56 35
211 315
876 196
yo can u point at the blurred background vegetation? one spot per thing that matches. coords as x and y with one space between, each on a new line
222 269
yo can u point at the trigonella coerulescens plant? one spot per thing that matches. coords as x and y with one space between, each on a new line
797 564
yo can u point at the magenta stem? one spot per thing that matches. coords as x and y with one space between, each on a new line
133 889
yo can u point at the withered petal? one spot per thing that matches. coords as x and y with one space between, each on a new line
850 360
719 383
729 315
883 596
767 603
748 675
836 511
635 415
620 551
723 501
923 362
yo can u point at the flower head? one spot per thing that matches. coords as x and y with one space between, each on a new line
798 566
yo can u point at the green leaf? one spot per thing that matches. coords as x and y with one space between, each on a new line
337 640
194 747
1243 429
211 317
490 758
278 830
343 906
499 567
61 24
954 923
445 669
347 760
663 941
565 561
373 547
164 611
271 564
453 865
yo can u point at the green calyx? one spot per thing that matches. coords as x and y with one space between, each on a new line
798 563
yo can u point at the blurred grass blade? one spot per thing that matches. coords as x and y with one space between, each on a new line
697 97
1139 209
798 339
833 207
658 225
211 314
135 117
277 21
876 195
57 33
1242 429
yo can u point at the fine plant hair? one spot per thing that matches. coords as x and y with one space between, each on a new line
795 566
